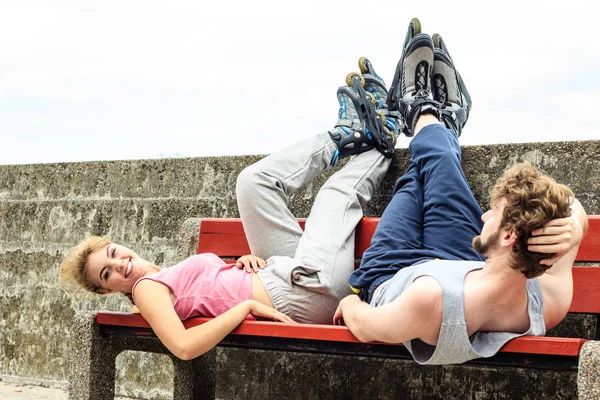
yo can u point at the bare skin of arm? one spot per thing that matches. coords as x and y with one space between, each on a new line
154 302
561 236
417 313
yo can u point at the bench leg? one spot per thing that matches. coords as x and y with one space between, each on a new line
195 379
588 377
91 361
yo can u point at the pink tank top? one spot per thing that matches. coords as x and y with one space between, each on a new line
204 285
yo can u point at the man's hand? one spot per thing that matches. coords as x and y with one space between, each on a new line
338 317
250 263
258 309
558 236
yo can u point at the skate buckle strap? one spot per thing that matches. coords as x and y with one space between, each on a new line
386 146
393 120
423 104
348 123
454 119
384 141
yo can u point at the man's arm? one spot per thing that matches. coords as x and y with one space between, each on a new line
417 313
561 237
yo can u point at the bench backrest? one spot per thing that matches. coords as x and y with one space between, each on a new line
225 237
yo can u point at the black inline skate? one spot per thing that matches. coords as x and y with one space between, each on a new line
449 88
410 93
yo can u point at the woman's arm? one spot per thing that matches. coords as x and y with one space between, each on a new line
155 304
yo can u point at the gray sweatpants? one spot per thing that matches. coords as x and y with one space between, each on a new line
307 272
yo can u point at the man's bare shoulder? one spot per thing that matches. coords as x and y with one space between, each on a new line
424 297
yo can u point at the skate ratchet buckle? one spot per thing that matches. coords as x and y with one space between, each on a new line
372 122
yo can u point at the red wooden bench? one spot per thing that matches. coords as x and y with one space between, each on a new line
225 237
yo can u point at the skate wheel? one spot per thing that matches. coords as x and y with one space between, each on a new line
436 38
353 76
363 64
371 99
416 26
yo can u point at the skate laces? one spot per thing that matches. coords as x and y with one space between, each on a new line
440 89
421 75
421 94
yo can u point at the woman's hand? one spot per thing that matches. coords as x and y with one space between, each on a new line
250 263
260 310
338 317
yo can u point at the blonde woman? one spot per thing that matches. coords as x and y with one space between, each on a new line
305 273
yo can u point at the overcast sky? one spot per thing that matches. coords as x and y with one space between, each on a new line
103 80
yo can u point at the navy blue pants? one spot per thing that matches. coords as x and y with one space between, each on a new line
432 213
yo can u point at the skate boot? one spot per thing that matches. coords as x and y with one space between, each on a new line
359 127
448 88
374 84
410 93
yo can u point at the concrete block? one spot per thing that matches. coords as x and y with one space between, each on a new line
91 361
588 379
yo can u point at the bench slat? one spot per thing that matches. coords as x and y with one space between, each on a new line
544 345
527 344
589 249
364 233
225 237
586 289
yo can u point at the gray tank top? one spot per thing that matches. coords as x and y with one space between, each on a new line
454 345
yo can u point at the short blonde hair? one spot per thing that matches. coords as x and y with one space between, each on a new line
73 267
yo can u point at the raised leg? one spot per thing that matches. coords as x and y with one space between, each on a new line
308 286
328 241
398 239
263 194
432 214
451 215
263 189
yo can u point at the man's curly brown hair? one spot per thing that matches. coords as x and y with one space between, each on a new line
532 199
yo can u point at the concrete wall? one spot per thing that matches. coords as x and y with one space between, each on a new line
46 209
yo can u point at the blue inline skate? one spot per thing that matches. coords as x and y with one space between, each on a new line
375 85
364 122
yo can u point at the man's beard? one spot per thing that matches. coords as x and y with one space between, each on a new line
484 247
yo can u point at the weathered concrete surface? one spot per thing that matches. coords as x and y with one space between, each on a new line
304 376
92 359
150 205
589 371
